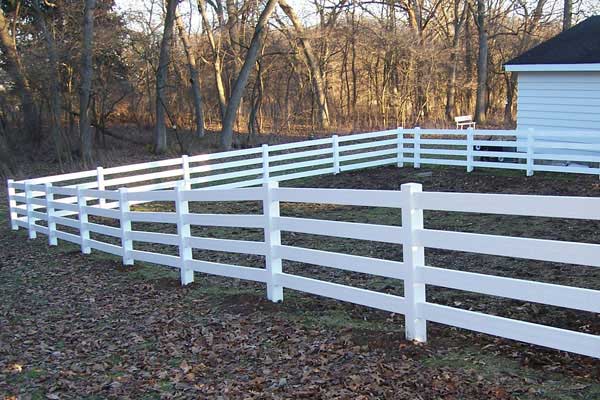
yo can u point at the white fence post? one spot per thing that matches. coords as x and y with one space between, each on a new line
417 148
400 147
413 256
184 232
272 239
335 144
185 164
470 149
84 231
265 162
530 152
125 223
100 181
52 241
29 208
12 204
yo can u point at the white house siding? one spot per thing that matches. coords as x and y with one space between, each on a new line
560 101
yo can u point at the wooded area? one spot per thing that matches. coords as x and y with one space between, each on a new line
71 72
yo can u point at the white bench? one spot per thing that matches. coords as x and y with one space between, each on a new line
464 121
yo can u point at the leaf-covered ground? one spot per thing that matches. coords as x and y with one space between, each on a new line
74 326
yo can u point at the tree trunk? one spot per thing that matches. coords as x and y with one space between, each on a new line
482 64
14 69
567 14
311 60
451 88
459 19
469 70
85 131
63 151
160 130
217 60
194 79
511 85
260 32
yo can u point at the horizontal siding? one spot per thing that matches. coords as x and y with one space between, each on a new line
561 108
558 85
547 100
559 100
551 77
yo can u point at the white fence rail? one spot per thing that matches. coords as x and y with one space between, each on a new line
414 238
66 203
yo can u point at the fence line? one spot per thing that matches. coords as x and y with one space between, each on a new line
412 235
66 202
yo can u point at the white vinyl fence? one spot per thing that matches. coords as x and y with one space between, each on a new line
65 203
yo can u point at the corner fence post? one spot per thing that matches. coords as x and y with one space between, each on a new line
100 181
52 241
185 165
335 145
417 148
265 162
12 205
29 208
414 259
125 223
400 147
84 230
530 151
470 148
272 240
184 232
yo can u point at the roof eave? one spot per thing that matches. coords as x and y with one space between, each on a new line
551 67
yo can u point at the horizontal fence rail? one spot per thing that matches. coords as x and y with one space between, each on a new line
96 211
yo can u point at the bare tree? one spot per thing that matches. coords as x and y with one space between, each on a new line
15 70
316 76
567 14
217 57
482 62
160 129
459 15
194 78
260 31
86 82
61 143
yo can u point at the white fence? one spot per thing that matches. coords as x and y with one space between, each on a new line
413 270
88 194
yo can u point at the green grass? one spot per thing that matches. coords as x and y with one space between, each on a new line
536 384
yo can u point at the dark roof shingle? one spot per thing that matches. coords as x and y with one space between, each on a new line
577 45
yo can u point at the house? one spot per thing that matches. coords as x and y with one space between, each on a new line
559 82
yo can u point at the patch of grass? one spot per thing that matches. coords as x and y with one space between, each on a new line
338 319
148 271
535 383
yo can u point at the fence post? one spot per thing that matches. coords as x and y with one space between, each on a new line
100 180
52 241
185 163
12 205
265 162
413 256
29 208
417 148
184 232
470 149
272 239
530 152
400 147
84 231
125 223
335 144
